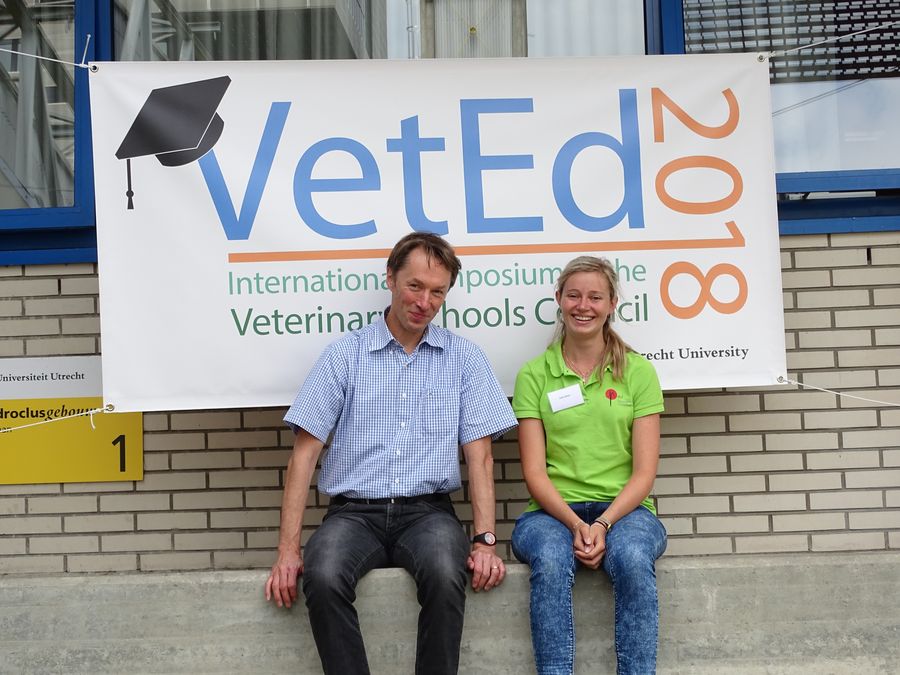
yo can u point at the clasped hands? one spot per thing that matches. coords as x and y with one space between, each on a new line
589 542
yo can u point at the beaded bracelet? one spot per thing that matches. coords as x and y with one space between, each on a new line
605 523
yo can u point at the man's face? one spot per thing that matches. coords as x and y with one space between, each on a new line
418 290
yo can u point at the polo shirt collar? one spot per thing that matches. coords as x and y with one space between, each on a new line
558 366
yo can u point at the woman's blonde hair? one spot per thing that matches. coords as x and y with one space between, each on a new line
615 348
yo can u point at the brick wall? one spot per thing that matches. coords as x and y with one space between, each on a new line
775 469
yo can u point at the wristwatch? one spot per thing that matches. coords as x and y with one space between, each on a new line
485 538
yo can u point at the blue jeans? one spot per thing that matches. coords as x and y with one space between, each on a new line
632 547
426 539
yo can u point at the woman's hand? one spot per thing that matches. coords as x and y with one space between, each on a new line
590 544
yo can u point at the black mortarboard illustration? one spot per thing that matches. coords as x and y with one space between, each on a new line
178 124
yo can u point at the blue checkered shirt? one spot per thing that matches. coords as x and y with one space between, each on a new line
398 418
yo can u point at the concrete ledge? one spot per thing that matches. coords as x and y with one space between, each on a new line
741 614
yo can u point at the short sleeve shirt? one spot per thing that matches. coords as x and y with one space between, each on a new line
589 453
398 419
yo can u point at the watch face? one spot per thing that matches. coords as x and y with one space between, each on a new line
486 538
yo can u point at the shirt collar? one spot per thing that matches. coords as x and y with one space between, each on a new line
558 365
434 336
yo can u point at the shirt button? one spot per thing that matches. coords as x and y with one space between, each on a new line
398 453
403 395
402 424
396 480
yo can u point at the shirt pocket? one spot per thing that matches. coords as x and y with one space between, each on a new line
439 414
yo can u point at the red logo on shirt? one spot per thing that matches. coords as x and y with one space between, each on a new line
611 395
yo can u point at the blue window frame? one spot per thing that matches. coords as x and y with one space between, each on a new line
67 233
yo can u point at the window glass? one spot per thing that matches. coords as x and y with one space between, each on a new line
834 105
37 99
585 28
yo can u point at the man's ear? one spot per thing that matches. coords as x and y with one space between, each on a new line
390 280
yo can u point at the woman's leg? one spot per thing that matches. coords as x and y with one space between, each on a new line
632 547
546 545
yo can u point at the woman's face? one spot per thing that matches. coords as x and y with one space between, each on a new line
585 303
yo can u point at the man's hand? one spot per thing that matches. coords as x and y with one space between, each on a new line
590 544
281 585
487 568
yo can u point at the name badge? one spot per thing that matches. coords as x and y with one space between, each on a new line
567 397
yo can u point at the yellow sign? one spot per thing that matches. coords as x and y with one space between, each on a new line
68 450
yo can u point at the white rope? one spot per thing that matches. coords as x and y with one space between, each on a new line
93 412
829 40
836 393
47 58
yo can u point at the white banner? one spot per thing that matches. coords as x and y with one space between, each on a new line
245 212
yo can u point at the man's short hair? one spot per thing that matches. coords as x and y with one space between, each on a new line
435 247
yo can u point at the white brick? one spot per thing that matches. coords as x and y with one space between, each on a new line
168 480
885 337
158 562
9 507
102 563
830 258
242 439
804 481
694 424
59 306
801 441
185 520
112 486
892 498
670 445
726 443
869 357
12 347
836 419
113 522
206 420
674 405
84 544
206 460
134 502
887 396
831 298
891 457
866 276
174 441
805 279
80 286
800 400
156 422
85 325
691 465
264 418
768 503
867 317
691 505
875 520
764 421
30 524
723 524
887 296
60 270
805 360
254 519
209 499
767 462
10 308
136 542
28 288
875 438
266 458
243 478
723 403
772 543
208 541
841 379
28 327
846 499
889 255
804 522
834 338
32 564
79 504
842 460
61 346
848 541
797 320
698 546
802 241
729 484
272 498
9 546
241 560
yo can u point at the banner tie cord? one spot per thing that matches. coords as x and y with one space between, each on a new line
777 53
47 58
786 380
91 413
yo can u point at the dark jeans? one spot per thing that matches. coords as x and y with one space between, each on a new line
426 539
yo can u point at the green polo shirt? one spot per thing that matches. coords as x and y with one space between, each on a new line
588 445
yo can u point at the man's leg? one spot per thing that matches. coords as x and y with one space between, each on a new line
432 546
347 544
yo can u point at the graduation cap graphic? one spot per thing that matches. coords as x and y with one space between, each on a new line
178 124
